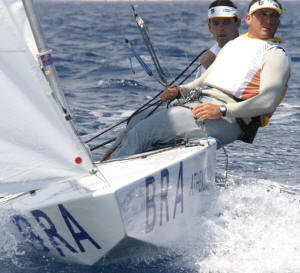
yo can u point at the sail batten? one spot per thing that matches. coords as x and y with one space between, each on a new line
38 145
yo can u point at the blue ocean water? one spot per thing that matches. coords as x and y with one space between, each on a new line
253 225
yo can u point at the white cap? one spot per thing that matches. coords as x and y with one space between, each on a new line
265 4
222 11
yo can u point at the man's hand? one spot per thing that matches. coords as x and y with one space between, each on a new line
204 111
170 92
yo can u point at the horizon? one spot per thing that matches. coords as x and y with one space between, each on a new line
153 0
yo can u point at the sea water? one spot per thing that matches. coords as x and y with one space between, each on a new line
253 225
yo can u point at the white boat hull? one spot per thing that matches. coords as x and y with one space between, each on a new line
133 204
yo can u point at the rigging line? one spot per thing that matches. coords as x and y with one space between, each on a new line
195 59
143 64
114 138
160 102
113 126
140 109
147 41
106 130
134 54
189 75
103 144
179 76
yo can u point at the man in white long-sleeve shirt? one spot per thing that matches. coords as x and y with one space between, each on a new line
248 79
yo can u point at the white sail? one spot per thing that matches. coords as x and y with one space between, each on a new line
17 13
37 144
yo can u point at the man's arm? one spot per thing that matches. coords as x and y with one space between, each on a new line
182 91
197 83
274 77
207 59
171 92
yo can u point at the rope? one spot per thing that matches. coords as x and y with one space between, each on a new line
142 63
103 144
147 104
160 103
150 73
147 41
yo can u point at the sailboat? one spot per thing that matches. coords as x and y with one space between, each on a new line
60 201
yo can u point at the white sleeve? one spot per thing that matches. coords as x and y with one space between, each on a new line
273 81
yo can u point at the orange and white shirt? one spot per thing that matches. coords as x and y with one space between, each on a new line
244 56
249 68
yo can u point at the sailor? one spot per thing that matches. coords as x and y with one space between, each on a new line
249 79
223 23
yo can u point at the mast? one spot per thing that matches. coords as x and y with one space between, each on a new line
45 58
49 70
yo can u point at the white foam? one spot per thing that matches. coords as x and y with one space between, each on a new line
259 231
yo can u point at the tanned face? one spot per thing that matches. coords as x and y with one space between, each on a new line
224 29
263 23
